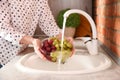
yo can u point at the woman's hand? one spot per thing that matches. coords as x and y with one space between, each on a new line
37 47
36 44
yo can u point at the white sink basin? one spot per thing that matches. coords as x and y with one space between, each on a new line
77 64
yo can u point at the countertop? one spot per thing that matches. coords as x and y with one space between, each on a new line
10 72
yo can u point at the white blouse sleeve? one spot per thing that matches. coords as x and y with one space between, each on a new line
6 30
47 22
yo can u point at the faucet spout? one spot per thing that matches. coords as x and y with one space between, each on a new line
91 43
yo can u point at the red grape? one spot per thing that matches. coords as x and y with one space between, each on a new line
50 42
48 49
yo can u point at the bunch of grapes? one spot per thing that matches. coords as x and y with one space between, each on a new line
52 47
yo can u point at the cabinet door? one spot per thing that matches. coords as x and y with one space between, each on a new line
57 5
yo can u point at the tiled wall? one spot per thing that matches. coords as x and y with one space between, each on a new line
107 19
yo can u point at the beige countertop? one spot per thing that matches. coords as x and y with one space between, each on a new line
10 72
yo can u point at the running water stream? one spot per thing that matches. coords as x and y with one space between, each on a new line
62 39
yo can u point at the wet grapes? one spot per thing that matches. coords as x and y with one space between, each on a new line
52 47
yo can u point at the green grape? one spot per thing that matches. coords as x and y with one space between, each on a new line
54 54
54 59
69 49
65 47
69 45
56 41
67 52
57 47
65 42
63 61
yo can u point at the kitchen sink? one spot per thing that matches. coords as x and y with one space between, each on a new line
80 63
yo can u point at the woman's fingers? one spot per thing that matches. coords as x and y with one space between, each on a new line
40 54
37 48
70 39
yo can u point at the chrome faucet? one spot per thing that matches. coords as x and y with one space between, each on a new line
90 42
